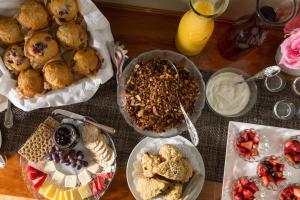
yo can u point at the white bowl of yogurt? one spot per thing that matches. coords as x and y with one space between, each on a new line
227 98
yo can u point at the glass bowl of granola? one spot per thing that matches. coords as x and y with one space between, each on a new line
147 93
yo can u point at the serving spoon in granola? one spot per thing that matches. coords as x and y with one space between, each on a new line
189 124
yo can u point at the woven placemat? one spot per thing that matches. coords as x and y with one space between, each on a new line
103 107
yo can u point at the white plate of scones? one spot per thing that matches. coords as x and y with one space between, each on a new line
44 46
165 169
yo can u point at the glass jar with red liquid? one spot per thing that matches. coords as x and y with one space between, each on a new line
250 31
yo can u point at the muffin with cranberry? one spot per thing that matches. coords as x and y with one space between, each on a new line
14 58
30 83
33 15
10 31
40 48
84 66
63 10
57 75
72 36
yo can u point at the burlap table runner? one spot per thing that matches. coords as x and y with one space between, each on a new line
103 107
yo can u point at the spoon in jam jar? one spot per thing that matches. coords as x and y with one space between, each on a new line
189 124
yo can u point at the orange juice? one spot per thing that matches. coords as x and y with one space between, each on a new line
195 29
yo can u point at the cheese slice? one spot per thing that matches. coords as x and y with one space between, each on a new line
50 193
56 196
49 167
67 194
62 195
70 181
44 187
93 168
75 195
85 191
84 177
58 178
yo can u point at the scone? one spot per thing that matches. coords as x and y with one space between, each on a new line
175 170
150 188
173 193
169 152
14 58
149 162
10 31
33 15
72 36
40 48
84 66
30 83
63 10
57 74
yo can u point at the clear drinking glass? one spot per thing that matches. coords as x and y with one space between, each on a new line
284 110
275 83
250 31
296 86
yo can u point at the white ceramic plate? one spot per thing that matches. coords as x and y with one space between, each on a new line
152 145
235 167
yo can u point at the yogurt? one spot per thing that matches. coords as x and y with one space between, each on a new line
225 96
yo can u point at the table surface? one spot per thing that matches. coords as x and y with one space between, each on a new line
140 31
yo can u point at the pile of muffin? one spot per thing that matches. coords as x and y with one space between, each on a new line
36 42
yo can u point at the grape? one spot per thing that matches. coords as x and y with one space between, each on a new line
79 162
85 163
55 158
67 163
79 167
73 165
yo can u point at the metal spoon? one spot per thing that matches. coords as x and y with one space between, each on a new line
190 126
8 118
267 72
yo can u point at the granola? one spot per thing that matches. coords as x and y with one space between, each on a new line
151 95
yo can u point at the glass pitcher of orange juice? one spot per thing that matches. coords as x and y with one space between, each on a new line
197 25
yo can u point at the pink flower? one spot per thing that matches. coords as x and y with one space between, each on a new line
290 50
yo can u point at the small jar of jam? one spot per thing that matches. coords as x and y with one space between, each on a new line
66 136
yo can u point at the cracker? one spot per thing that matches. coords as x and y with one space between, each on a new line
90 134
40 142
108 162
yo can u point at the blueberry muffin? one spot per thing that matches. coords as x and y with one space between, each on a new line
57 75
33 15
30 83
84 66
72 36
63 10
40 48
10 31
14 58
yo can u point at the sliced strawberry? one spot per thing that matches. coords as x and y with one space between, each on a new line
33 176
252 134
247 145
238 197
244 181
244 136
247 194
279 174
297 158
296 192
256 139
280 167
273 161
95 187
296 147
252 186
40 181
288 144
262 170
254 152
100 183
265 180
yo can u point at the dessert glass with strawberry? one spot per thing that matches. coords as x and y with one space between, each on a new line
292 151
271 171
291 192
247 145
245 188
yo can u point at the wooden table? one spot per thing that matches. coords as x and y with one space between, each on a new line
142 31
